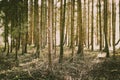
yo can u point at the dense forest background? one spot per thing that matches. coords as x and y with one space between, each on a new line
49 35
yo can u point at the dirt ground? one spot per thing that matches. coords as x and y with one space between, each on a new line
89 67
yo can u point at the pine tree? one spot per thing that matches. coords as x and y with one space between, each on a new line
106 49
80 46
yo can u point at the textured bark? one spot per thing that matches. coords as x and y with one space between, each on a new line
72 27
36 24
113 25
97 23
88 21
62 26
109 24
55 7
84 23
31 23
106 49
100 26
92 27
80 46
50 34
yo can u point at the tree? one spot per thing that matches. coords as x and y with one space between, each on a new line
80 46
62 26
106 49
24 26
36 24
97 23
72 26
6 27
113 25
31 16
50 33
119 19
109 23
88 21
84 23
100 26
92 27
55 7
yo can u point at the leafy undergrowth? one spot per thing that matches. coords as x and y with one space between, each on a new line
89 68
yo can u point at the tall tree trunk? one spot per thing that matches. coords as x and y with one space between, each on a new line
97 23
6 34
84 23
88 21
119 19
55 26
45 43
109 23
31 22
113 25
72 26
106 49
92 27
41 23
26 22
62 26
36 24
80 46
50 34
100 26
69 24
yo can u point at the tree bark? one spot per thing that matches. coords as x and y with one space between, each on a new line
80 46
50 34
72 27
92 27
106 49
62 26
113 25
100 27
88 21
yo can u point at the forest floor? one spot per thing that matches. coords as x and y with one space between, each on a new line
88 68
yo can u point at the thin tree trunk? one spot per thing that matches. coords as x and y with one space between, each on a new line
50 34
72 27
84 23
109 23
113 25
88 20
26 27
100 27
119 19
55 26
92 27
97 24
